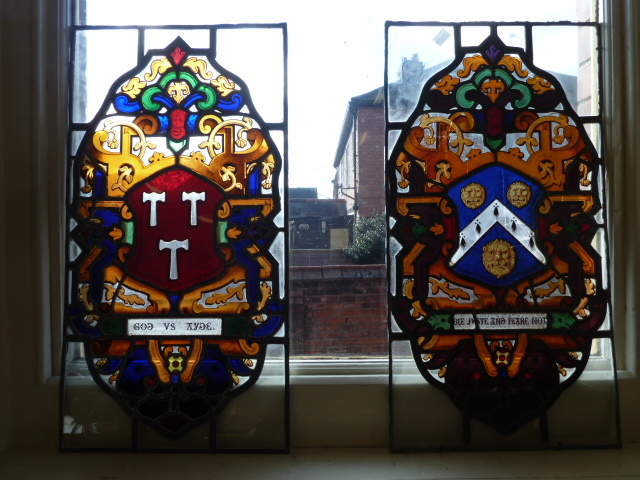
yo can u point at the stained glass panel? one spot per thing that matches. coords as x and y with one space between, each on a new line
176 301
497 225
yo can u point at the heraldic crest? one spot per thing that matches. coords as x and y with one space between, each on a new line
174 287
495 203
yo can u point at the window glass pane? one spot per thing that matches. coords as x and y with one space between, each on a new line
93 48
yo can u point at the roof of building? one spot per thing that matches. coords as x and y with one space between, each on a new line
374 98
317 208
406 92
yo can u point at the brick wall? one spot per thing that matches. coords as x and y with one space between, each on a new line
338 310
317 256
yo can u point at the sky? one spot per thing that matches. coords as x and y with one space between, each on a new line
336 52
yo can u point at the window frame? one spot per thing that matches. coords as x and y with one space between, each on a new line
318 416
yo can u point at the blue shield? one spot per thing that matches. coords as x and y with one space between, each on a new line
497 214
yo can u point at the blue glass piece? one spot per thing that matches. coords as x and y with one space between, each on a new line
213 367
269 327
253 269
167 102
235 103
107 218
193 99
138 367
96 285
98 183
275 307
111 366
174 300
192 122
243 216
124 105
164 123
240 367
254 182
81 326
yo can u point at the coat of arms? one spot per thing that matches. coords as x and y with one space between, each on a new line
175 289
495 203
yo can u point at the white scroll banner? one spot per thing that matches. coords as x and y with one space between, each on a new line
174 327
501 321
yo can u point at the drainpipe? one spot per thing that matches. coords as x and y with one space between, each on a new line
353 107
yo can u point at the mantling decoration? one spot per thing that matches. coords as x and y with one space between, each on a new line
495 201
175 291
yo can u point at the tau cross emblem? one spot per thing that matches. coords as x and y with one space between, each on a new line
174 231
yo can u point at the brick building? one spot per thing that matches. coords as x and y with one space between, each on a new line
358 162
359 159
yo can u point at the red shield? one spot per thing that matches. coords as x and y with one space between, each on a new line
174 245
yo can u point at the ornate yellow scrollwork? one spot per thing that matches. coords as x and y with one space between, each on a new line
252 349
265 291
493 88
403 165
426 122
128 299
268 166
212 144
584 175
443 170
558 286
447 84
514 64
471 64
157 67
88 168
134 87
442 285
547 175
408 288
562 124
539 84
220 298
125 178
111 137
224 85
199 66
227 173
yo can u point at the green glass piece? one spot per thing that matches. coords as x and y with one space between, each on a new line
193 81
222 231
167 78
177 146
237 326
495 143
113 326
461 97
482 76
440 321
210 101
508 79
526 95
127 232
419 229
562 320
147 100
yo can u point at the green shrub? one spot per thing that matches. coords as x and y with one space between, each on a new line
369 239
